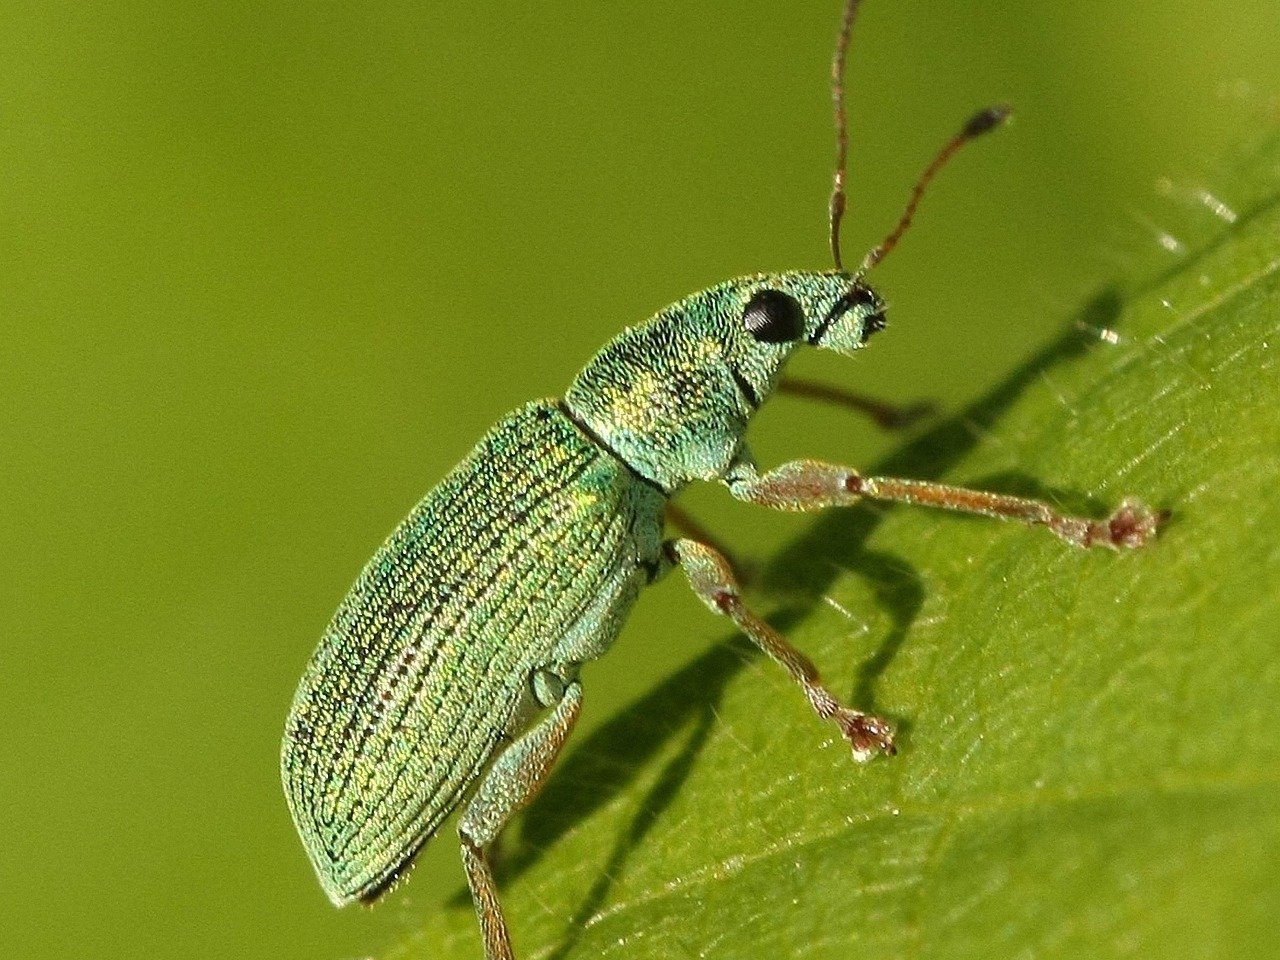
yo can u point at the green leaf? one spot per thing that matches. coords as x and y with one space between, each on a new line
1090 741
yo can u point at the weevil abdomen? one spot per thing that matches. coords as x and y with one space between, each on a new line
427 664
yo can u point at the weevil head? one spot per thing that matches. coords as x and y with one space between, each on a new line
673 396
830 310
765 318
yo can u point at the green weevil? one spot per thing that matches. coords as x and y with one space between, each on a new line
451 669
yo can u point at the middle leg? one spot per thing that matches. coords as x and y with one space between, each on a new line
713 581
692 529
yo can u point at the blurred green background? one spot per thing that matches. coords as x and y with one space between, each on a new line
267 270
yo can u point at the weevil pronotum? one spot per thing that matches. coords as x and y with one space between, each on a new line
455 658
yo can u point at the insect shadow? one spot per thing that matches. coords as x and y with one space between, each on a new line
600 767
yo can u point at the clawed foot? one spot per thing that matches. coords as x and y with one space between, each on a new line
1130 527
867 735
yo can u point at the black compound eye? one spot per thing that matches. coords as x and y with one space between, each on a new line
772 316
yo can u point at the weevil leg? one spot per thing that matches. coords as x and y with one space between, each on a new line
713 581
885 415
688 525
510 784
813 485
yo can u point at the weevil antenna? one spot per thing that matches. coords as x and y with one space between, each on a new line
842 126
984 121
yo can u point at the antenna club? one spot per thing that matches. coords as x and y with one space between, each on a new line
984 121
981 122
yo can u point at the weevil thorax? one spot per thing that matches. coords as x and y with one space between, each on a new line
673 396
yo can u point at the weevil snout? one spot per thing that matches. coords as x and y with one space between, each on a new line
874 324
851 320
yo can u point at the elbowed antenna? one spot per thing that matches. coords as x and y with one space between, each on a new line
842 126
981 122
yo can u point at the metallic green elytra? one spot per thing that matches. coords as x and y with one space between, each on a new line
449 676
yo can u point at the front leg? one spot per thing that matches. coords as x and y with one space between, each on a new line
713 581
510 784
813 485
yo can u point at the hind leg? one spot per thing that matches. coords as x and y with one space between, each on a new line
511 783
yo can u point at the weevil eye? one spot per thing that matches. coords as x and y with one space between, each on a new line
772 316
